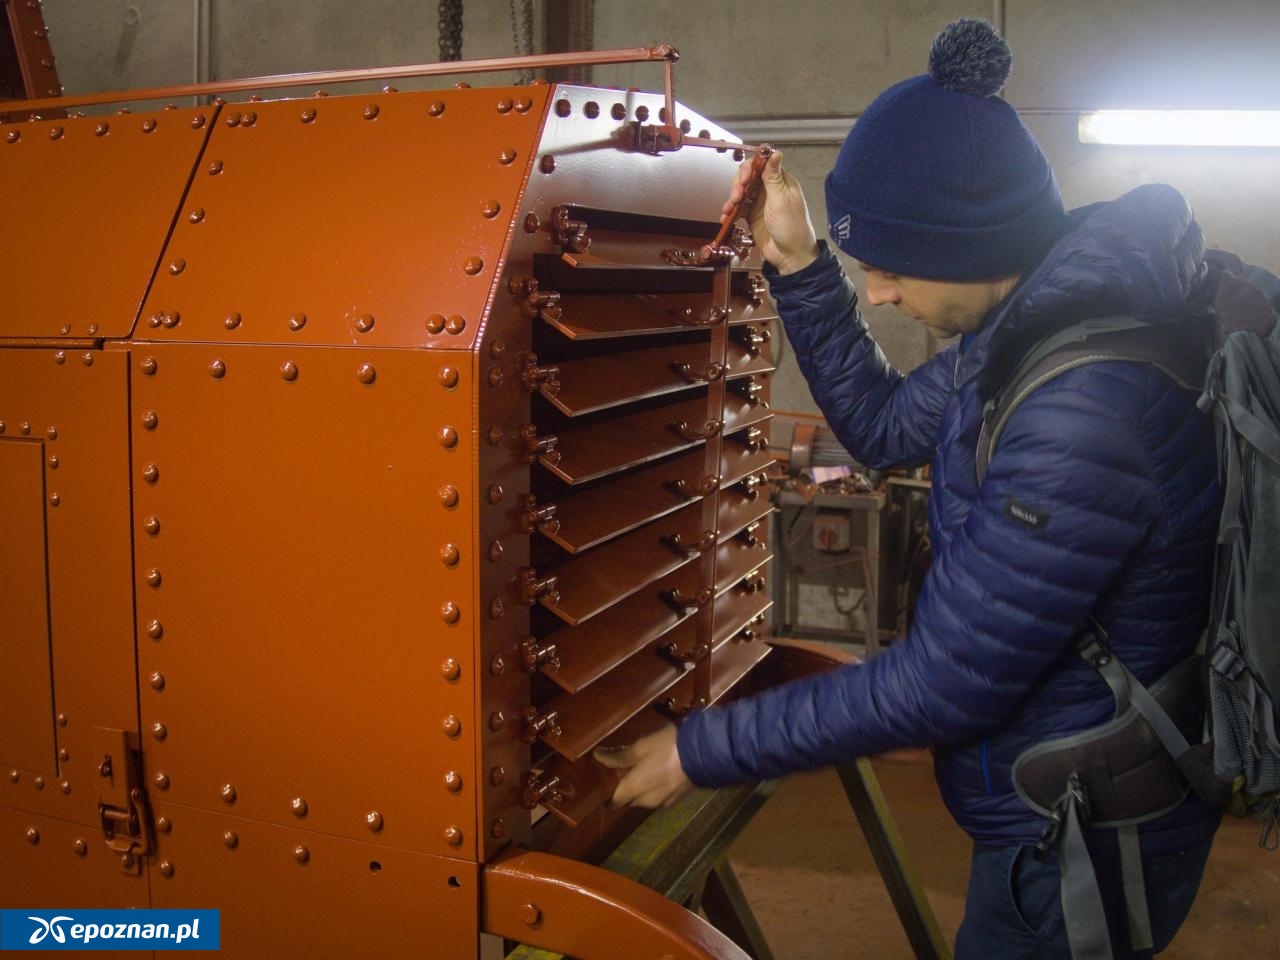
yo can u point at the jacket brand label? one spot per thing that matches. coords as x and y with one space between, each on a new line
1025 515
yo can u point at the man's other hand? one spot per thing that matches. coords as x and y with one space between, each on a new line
777 214
651 771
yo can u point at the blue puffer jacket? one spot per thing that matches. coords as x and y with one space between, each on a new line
1114 457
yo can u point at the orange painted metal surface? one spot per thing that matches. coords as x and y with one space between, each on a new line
335 589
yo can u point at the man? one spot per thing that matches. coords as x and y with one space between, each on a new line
1099 502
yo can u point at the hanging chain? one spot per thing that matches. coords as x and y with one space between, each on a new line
450 30
523 45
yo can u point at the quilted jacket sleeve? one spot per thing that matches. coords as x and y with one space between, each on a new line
883 418
1068 498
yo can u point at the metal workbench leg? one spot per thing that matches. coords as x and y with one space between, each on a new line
878 826
872 603
727 908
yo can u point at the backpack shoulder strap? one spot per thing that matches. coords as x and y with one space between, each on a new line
1180 356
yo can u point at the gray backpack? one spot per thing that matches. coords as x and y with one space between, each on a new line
1232 758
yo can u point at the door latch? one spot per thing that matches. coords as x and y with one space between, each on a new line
123 812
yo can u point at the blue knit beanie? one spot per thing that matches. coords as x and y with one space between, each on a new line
939 178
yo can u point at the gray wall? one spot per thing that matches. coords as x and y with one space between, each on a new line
766 59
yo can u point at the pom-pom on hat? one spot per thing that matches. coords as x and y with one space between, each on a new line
939 178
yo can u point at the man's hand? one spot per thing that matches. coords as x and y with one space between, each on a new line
777 214
652 775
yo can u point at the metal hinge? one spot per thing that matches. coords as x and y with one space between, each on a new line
123 812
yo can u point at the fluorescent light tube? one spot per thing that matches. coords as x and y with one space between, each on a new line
1186 128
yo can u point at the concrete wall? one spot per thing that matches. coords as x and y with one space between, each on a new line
773 58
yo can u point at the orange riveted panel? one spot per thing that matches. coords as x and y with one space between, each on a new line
367 461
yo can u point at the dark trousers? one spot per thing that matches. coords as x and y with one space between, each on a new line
1013 909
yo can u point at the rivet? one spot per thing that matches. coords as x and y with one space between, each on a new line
495 493
13 136
161 780
151 473
159 730
166 868
81 847
51 433
33 836
60 357
215 168
155 630
232 321
87 359
321 93
25 428
642 113
507 156
448 377
148 126
64 786
547 164
435 108
471 266
155 320
453 781
197 121
38 783
455 324
496 551
563 108
490 209
233 119
298 807
618 112
366 374
373 820
532 223
54 499
496 376
307 115
153 577
301 854
66 328
62 719
157 680
435 323
523 104
55 133
64 754
217 369
150 419
591 109
227 793
149 366
453 836
176 267
449 495
497 349
530 914
505 105
498 829
164 824
151 525
371 112
101 129
364 322
448 437
289 371
230 839
449 555
496 608
497 720
497 775
249 119
495 435
450 669
297 321
451 726
462 85
14 776
450 613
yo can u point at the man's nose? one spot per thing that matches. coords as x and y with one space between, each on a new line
880 291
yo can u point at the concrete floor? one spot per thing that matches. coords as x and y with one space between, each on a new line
815 891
